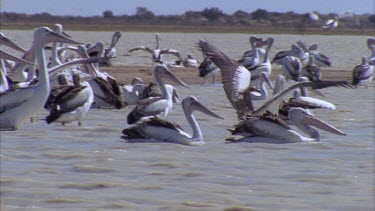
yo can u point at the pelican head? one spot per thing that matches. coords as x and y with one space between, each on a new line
136 81
190 104
46 35
163 71
302 120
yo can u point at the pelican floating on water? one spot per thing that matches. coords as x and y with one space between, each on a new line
18 105
164 131
363 73
73 103
155 105
269 128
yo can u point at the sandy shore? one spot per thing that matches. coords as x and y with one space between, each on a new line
124 74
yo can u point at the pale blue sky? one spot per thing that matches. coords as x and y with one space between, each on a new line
165 7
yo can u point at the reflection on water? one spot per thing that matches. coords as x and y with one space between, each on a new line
57 167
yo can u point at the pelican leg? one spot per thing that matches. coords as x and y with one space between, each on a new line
79 123
32 119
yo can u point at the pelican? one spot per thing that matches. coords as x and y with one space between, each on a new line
235 77
363 73
295 51
371 46
72 104
190 61
107 91
155 105
313 16
20 104
251 61
207 68
263 91
110 52
164 131
319 59
331 23
291 68
157 53
265 66
311 71
4 84
131 92
275 130
258 50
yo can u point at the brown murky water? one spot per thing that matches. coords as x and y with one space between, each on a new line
54 167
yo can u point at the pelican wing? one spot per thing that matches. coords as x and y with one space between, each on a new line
137 131
235 77
14 98
143 48
312 84
73 99
110 96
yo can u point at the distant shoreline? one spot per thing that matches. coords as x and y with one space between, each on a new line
190 29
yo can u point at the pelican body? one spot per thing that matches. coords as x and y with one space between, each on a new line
164 131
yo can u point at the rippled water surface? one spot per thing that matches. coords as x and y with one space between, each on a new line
55 167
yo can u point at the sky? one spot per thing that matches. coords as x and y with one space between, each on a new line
179 7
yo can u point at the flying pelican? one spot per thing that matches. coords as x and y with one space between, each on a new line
73 103
313 16
277 131
157 53
363 73
20 104
155 105
331 23
164 131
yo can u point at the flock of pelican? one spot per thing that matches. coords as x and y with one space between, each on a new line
69 85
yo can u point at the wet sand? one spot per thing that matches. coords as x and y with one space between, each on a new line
124 74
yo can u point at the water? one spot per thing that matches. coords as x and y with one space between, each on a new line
54 167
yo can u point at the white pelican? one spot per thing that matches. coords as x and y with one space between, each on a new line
18 105
275 130
235 78
313 16
251 58
371 46
156 129
207 68
311 71
107 91
295 51
73 103
331 23
157 53
291 68
320 59
110 52
132 91
190 61
156 105
263 91
4 83
363 73
265 66
258 50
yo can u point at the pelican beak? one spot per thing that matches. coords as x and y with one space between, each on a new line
65 34
196 105
318 92
4 55
175 79
313 121
175 96
11 44
56 37
86 77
